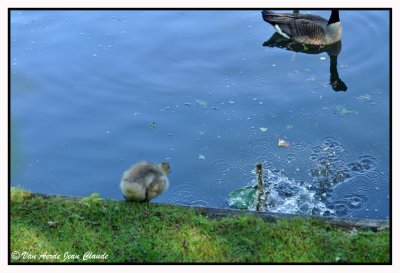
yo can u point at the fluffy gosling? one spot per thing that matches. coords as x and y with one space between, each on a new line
145 181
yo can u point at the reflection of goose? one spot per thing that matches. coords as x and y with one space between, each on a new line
145 181
333 51
306 28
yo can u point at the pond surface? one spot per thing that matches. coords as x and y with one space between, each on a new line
93 92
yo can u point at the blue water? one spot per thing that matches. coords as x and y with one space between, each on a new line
93 92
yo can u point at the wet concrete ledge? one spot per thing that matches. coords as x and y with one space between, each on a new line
372 224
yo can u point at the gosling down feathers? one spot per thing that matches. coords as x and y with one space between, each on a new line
145 181
306 28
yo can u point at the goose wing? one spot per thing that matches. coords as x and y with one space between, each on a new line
303 28
274 18
295 25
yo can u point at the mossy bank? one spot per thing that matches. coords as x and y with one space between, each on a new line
58 230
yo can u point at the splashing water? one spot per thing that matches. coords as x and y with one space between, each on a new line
329 166
289 196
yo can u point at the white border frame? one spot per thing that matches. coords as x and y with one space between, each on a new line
5 4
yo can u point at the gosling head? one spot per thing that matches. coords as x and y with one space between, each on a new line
166 167
259 168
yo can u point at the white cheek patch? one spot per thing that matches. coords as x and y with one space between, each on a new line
279 30
335 25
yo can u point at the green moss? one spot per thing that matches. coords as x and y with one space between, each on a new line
18 195
143 232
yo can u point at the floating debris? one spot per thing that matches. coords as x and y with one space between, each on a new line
364 98
282 143
263 129
289 126
273 115
377 92
341 110
202 103
166 108
201 157
152 125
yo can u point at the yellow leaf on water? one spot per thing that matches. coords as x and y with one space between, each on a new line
282 143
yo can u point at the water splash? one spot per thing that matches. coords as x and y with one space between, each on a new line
290 196
322 179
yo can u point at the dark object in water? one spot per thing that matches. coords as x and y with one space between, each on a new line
332 50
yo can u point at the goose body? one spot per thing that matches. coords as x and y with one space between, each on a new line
306 28
145 181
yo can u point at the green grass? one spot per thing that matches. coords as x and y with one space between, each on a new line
153 233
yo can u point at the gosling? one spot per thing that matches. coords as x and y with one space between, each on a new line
145 181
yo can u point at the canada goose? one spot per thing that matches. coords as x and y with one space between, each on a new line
144 181
333 50
306 28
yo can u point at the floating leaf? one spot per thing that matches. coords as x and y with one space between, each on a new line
282 143
242 198
344 111
263 129
202 103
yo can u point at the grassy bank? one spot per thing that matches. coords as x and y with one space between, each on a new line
125 232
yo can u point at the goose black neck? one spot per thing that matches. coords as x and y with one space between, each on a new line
334 17
335 81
